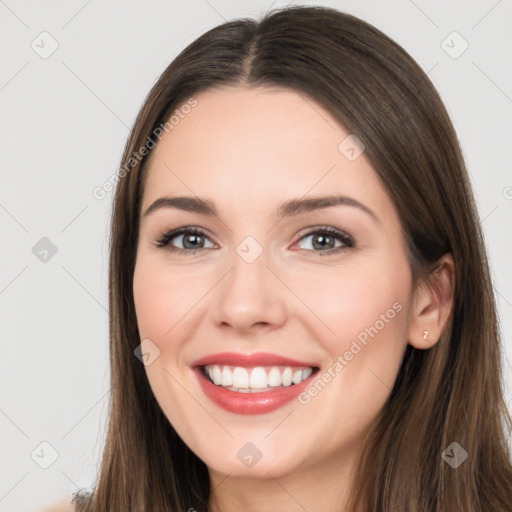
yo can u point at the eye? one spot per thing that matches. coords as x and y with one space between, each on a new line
192 239
325 238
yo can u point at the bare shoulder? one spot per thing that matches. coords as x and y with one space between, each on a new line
62 506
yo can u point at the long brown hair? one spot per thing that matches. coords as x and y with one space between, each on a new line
449 393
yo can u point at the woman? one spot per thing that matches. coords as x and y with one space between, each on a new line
301 311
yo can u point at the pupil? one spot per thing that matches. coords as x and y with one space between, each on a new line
194 245
324 238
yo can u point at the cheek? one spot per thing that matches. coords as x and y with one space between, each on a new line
170 303
161 300
151 298
162 296
363 329
350 301
361 321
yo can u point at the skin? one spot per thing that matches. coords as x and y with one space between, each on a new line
248 150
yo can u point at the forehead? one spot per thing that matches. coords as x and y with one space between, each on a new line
234 122
255 145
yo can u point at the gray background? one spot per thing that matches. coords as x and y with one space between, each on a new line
65 119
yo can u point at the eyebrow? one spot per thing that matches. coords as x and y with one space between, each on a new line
286 209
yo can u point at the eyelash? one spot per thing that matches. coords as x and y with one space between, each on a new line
347 240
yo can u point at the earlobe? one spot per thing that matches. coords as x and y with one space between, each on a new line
432 305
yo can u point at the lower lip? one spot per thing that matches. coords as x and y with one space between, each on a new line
250 403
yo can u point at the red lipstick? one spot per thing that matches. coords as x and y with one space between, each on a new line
250 360
251 403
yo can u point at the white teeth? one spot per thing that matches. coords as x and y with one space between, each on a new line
227 377
286 377
306 373
274 377
216 377
259 378
240 377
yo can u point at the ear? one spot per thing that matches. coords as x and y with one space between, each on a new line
432 304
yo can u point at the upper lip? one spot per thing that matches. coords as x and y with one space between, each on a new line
250 360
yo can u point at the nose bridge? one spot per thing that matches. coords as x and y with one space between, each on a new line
248 294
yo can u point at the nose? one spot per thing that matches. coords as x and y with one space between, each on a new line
250 296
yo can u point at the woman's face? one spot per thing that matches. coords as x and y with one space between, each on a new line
266 280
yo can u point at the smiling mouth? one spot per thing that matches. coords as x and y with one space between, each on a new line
258 379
